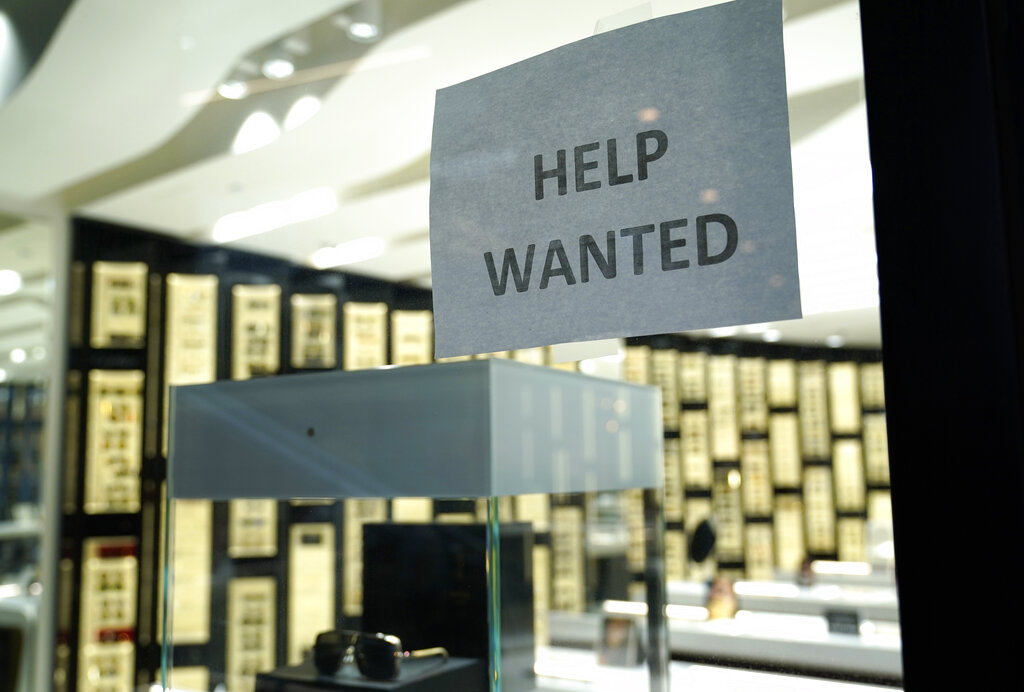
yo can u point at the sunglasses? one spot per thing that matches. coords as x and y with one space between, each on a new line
377 656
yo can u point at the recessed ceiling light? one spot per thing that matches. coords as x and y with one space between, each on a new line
10 282
233 89
719 332
278 68
834 340
18 355
258 130
361 21
3 375
305 206
301 111
363 31
771 335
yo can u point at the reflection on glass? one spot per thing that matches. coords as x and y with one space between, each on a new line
25 324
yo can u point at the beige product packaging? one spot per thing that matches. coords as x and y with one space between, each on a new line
251 630
255 330
118 314
113 452
412 337
364 329
314 330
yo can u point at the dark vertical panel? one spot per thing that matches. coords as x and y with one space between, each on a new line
944 161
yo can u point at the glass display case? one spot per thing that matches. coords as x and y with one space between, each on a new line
412 528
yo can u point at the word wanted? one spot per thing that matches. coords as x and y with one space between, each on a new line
667 235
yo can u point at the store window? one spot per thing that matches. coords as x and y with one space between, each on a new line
248 197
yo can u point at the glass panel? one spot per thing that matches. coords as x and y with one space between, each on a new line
26 324
250 194
492 578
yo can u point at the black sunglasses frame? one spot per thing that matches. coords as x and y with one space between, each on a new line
378 656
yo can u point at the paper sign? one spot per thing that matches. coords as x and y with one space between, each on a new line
635 182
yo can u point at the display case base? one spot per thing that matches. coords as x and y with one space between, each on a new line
463 674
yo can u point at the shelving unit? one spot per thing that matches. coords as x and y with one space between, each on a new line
21 420
799 644
18 529
783 446
148 312
21 407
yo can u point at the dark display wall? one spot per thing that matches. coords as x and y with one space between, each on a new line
146 312
783 447
21 423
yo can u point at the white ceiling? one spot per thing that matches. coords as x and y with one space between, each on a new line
109 84
121 82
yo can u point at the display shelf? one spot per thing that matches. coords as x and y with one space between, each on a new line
796 644
570 670
871 603
787 441
19 529
880 577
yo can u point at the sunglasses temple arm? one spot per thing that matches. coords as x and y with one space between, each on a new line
426 653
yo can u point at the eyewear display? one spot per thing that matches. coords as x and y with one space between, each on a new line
377 656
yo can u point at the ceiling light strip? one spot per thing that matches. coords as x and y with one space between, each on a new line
305 206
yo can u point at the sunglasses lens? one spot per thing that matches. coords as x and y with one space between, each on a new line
329 652
375 657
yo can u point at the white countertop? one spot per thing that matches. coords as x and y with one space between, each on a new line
20 528
798 642
572 669
872 602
